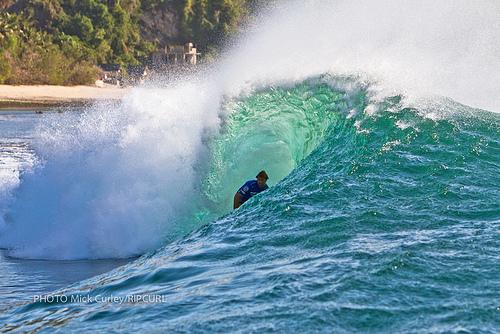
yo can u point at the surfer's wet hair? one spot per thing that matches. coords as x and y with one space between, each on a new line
263 174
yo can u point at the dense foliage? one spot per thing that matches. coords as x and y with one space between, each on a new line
208 22
31 56
62 41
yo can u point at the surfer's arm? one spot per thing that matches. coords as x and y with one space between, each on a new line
237 200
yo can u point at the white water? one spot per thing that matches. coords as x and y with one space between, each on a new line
447 47
115 181
118 181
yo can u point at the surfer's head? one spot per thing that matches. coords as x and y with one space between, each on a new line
262 178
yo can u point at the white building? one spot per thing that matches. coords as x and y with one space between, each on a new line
176 55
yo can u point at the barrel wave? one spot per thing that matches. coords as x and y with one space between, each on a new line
385 211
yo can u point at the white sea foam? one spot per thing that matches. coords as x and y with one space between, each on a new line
115 181
448 47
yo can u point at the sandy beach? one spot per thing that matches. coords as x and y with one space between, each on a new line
46 95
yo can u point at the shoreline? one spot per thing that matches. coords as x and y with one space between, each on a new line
47 96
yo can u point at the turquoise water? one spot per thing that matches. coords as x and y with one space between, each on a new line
383 216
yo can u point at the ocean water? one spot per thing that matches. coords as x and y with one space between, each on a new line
21 279
383 211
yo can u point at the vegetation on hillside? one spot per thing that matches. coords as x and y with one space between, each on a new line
62 41
31 56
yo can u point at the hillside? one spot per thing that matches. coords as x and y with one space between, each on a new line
62 41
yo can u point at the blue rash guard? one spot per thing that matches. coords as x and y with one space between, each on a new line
249 189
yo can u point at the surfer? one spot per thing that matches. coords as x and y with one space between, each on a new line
250 188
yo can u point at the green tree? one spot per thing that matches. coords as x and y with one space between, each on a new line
210 21
81 26
5 68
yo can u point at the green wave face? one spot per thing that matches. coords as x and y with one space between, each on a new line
272 129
